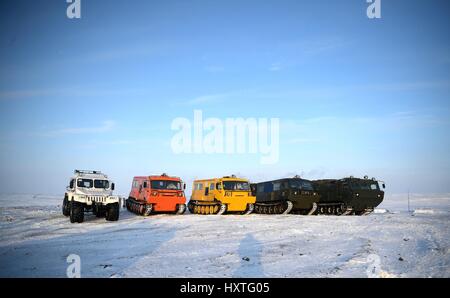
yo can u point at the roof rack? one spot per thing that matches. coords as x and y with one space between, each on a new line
232 176
87 172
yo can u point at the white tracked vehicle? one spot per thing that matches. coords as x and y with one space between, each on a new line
90 191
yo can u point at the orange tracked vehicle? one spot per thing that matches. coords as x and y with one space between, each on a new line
154 194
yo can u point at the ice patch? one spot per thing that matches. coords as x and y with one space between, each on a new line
424 211
381 211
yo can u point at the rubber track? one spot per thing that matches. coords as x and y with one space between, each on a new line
277 208
207 208
138 207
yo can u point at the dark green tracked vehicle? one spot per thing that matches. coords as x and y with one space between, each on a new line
348 196
284 196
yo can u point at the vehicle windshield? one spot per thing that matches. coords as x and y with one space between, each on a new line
101 184
86 183
373 185
164 184
301 184
236 185
89 183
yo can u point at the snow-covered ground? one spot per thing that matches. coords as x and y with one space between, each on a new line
35 240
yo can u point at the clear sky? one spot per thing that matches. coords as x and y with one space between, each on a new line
354 96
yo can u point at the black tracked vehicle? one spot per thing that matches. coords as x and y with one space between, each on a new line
284 196
348 196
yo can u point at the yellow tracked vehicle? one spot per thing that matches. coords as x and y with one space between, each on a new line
221 195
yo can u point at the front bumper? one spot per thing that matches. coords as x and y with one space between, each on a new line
95 199
238 203
166 203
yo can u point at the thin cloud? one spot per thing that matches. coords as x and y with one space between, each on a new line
275 67
211 98
106 126
302 140
214 69
329 125
67 92
206 99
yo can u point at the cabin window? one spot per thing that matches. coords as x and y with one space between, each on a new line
374 186
345 186
276 186
211 186
268 187
86 183
260 188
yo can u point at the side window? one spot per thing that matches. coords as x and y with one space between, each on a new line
72 183
268 187
211 186
260 188
276 186
345 186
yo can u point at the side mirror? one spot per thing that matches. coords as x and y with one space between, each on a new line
384 186
184 186
113 186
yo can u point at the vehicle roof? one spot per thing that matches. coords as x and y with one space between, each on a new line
358 179
157 177
284 179
344 180
324 180
223 179
90 176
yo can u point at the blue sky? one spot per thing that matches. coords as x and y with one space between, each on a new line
354 96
